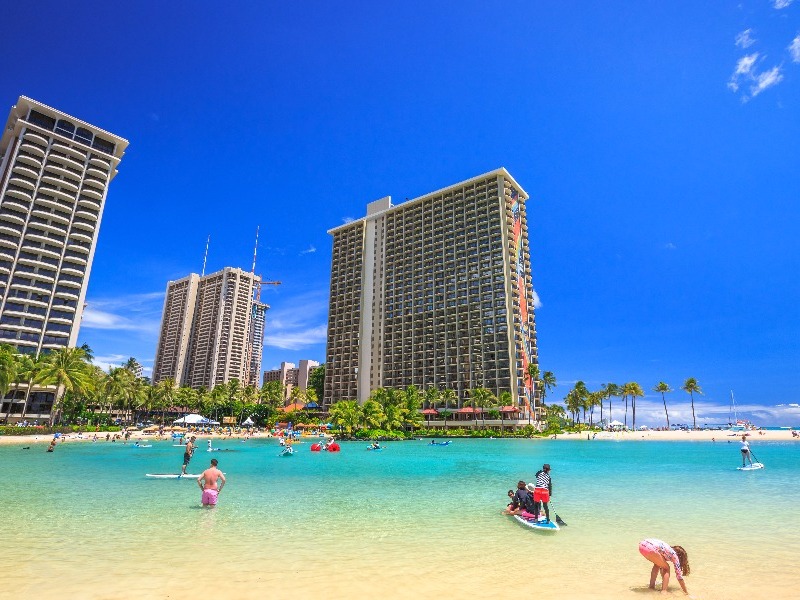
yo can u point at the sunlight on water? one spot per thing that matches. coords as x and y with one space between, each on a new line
409 522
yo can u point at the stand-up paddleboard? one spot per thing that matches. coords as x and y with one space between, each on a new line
753 467
143 446
171 475
541 524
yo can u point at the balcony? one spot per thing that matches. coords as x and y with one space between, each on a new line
76 246
23 193
73 270
32 148
9 217
29 160
22 181
62 172
56 192
90 215
96 182
90 192
67 293
36 138
91 202
97 173
67 160
63 182
100 162
70 151
81 236
17 205
84 224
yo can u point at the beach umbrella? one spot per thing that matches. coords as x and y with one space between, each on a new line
248 422
193 419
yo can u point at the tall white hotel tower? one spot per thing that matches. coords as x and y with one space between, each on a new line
54 176
434 292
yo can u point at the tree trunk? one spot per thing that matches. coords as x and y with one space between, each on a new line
665 408
694 419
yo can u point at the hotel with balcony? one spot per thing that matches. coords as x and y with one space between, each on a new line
54 176
212 330
434 292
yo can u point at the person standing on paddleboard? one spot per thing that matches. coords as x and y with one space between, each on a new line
746 451
187 454
208 483
542 492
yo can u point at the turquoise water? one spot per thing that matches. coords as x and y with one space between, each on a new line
420 520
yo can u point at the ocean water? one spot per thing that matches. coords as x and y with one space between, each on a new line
411 521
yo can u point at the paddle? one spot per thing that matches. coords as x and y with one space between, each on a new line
754 456
559 520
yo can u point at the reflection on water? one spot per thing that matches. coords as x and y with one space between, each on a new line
412 521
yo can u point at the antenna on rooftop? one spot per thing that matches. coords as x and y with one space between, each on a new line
255 251
205 256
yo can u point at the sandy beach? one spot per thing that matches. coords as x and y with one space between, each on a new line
658 436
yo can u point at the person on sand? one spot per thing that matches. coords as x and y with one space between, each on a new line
542 492
187 454
661 555
208 483
746 455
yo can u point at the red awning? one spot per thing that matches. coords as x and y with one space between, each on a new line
468 410
430 411
509 409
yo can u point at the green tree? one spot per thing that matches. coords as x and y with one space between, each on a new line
165 399
503 400
316 380
68 370
663 388
28 368
483 399
432 396
395 417
634 391
611 390
372 414
690 386
8 373
347 415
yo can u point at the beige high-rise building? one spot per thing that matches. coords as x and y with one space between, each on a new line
212 330
434 292
54 176
291 375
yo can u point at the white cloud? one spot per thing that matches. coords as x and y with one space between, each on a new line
670 246
299 322
310 250
779 4
112 361
537 302
766 80
136 312
743 39
347 219
744 68
794 49
650 412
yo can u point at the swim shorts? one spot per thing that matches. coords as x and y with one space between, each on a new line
210 497
186 458
541 495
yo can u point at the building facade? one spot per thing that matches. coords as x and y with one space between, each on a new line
434 292
54 176
212 330
291 375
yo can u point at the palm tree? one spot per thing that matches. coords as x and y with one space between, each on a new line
504 399
372 414
68 370
533 379
8 372
582 395
690 386
635 391
395 414
573 403
548 383
448 399
346 414
611 390
28 368
663 388
483 399
432 396
166 396
595 399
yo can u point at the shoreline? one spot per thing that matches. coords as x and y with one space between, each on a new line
782 435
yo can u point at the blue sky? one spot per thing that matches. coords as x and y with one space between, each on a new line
659 143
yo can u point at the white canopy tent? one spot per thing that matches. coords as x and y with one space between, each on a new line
248 422
194 419
616 424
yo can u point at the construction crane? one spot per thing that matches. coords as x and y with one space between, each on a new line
261 282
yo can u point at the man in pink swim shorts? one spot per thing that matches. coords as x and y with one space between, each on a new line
208 483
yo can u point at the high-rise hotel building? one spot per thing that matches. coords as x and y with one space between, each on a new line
435 291
54 176
212 330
